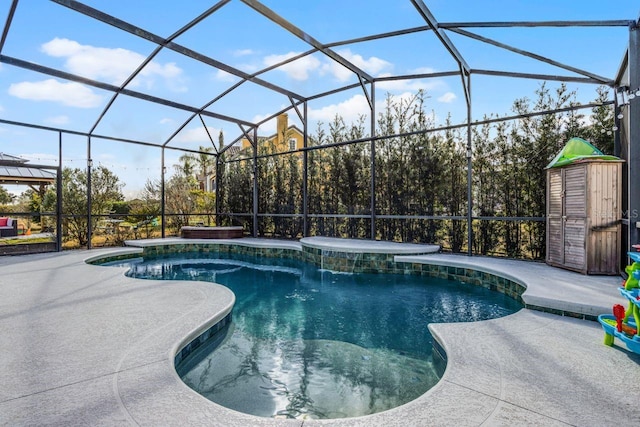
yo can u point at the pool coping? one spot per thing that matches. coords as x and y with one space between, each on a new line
548 289
597 293
137 385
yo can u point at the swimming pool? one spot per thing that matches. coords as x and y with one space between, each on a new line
309 343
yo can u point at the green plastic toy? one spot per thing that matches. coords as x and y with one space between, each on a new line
632 280
625 324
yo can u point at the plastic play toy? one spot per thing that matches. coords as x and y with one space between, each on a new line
633 272
623 324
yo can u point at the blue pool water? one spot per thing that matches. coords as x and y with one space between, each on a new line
309 343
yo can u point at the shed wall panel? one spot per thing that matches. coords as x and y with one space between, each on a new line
589 227
555 241
575 200
554 192
574 244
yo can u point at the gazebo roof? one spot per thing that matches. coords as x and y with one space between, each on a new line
13 170
9 160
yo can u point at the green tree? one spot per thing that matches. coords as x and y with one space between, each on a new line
454 193
236 193
354 179
180 200
121 207
205 161
316 180
510 182
6 197
146 207
187 165
423 173
183 194
292 227
536 141
600 132
408 170
105 190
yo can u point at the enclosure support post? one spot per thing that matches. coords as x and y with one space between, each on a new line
633 163
469 174
255 182
373 161
162 194
59 196
218 189
305 175
89 165
617 123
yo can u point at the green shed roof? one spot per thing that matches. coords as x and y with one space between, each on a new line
577 150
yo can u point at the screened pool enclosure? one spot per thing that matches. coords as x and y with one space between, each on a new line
413 120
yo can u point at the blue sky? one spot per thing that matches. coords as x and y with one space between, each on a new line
45 33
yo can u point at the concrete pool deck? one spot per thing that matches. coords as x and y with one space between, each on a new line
85 345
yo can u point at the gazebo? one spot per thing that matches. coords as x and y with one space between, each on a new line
15 170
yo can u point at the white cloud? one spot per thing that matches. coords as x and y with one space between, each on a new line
113 65
422 70
197 135
338 70
404 98
169 70
349 110
447 98
166 121
268 128
298 69
243 52
71 94
373 65
223 76
301 68
57 120
248 67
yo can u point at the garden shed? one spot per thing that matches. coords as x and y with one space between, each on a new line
584 195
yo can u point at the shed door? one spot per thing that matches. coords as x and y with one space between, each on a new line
575 216
555 212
